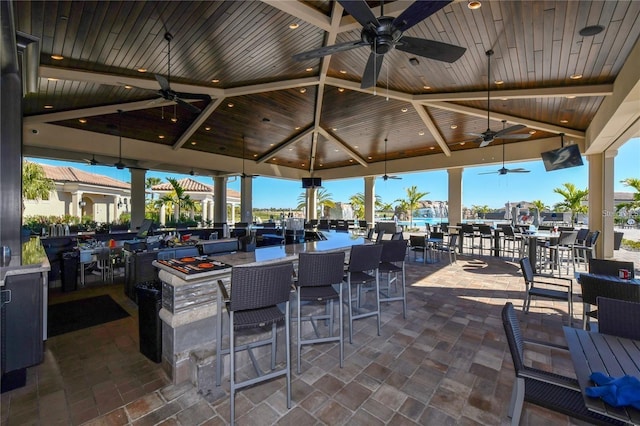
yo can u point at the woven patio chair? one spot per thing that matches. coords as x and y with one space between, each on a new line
545 286
619 318
594 286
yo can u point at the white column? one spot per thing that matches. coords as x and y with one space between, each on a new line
370 199
76 198
312 203
137 199
114 209
246 199
601 200
205 210
163 215
220 200
455 195
210 216
176 214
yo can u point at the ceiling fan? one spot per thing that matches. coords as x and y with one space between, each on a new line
120 165
503 170
384 33
93 160
166 93
385 176
488 136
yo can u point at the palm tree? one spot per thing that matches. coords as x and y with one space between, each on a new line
411 202
323 199
150 182
177 197
357 203
635 203
481 210
35 183
573 199
539 205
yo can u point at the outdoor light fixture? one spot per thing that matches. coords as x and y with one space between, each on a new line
474 4
82 204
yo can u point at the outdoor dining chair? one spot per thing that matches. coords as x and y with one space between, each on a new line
392 266
545 286
256 292
594 286
317 274
543 388
619 317
610 267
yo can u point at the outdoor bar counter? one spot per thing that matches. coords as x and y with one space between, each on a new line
189 310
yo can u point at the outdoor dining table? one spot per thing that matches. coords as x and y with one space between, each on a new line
611 355
532 244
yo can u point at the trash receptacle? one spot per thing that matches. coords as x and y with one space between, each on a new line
149 326
69 271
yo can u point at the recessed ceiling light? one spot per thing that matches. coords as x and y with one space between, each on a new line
273 159
303 90
293 25
504 99
142 70
421 133
343 71
575 76
302 164
340 89
48 106
82 120
57 57
499 82
564 121
474 4
207 128
570 97
591 30
356 147
230 105
193 142
271 144
432 147
369 158
335 129
160 136
215 80
297 127
290 149
462 143
426 87
321 164
532 132
336 150
174 119
52 79
454 126
126 86
351 160
309 69
404 109
255 155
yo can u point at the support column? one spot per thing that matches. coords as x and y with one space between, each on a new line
312 203
370 200
205 209
137 199
455 195
210 211
76 208
114 210
220 200
246 199
601 203
163 215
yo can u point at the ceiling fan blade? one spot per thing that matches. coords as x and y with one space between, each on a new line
479 135
431 49
489 173
516 136
416 13
511 129
199 96
371 71
163 82
328 50
519 170
360 11
485 143
395 177
188 106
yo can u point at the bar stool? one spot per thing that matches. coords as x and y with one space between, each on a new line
317 274
363 267
392 263
255 293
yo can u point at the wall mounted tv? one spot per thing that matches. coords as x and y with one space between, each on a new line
562 158
311 182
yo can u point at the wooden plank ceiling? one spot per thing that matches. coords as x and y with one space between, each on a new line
311 115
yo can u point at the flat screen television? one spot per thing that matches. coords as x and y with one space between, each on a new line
145 228
311 182
562 158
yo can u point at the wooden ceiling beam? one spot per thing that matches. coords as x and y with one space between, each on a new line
270 87
199 121
355 85
428 122
302 11
344 146
542 92
538 125
282 145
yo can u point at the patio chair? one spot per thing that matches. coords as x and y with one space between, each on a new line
256 292
594 286
392 263
545 389
586 249
486 234
362 270
619 318
418 244
551 287
379 236
563 249
451 247
511 242
610 267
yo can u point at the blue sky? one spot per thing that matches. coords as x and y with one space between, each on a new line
492 189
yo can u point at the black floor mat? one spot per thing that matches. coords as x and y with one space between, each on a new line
78 314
